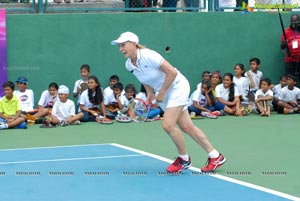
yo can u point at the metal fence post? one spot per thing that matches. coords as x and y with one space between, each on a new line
210 5
40 7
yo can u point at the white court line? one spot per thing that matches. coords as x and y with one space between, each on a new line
54 147
70 159
260 188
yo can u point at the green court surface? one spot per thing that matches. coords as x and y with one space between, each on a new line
259 150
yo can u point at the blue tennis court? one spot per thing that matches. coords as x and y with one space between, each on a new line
112 172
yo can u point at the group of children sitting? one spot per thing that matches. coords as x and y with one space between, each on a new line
215 95
244 92
55 108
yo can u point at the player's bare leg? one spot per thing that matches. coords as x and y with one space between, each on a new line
186 125
169 125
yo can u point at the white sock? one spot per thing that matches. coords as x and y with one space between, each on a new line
213 154
184 157
3 126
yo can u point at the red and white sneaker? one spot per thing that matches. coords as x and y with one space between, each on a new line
214 163
178 165
216 113
209 115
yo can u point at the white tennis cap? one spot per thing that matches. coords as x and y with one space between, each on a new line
63 89
126 36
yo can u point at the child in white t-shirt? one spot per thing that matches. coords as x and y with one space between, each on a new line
277 90
81 84
92 101
289 99
63 112
254 76
206 75
263 97
108 91
49 97
130 94
202 100
241 82
26 98
228 97
113 102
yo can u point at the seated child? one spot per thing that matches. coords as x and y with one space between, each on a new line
48 97
26 99
63 112
130 94
92 101
254 75
202 101
10 109
228 97
241 82
112 102
277 90
108 91
263 97
289 98
81 84
206 75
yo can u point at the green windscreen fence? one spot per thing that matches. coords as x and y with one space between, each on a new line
47 48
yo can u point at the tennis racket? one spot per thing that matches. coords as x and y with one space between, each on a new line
48 125
102 120
123 119
138 110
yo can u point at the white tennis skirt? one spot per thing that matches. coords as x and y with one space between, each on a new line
177 94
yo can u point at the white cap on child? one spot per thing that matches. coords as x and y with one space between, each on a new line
63 89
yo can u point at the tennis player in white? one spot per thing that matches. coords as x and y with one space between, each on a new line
170 89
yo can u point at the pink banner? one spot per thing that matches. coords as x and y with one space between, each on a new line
3 58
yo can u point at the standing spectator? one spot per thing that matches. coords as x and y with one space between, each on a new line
292 45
